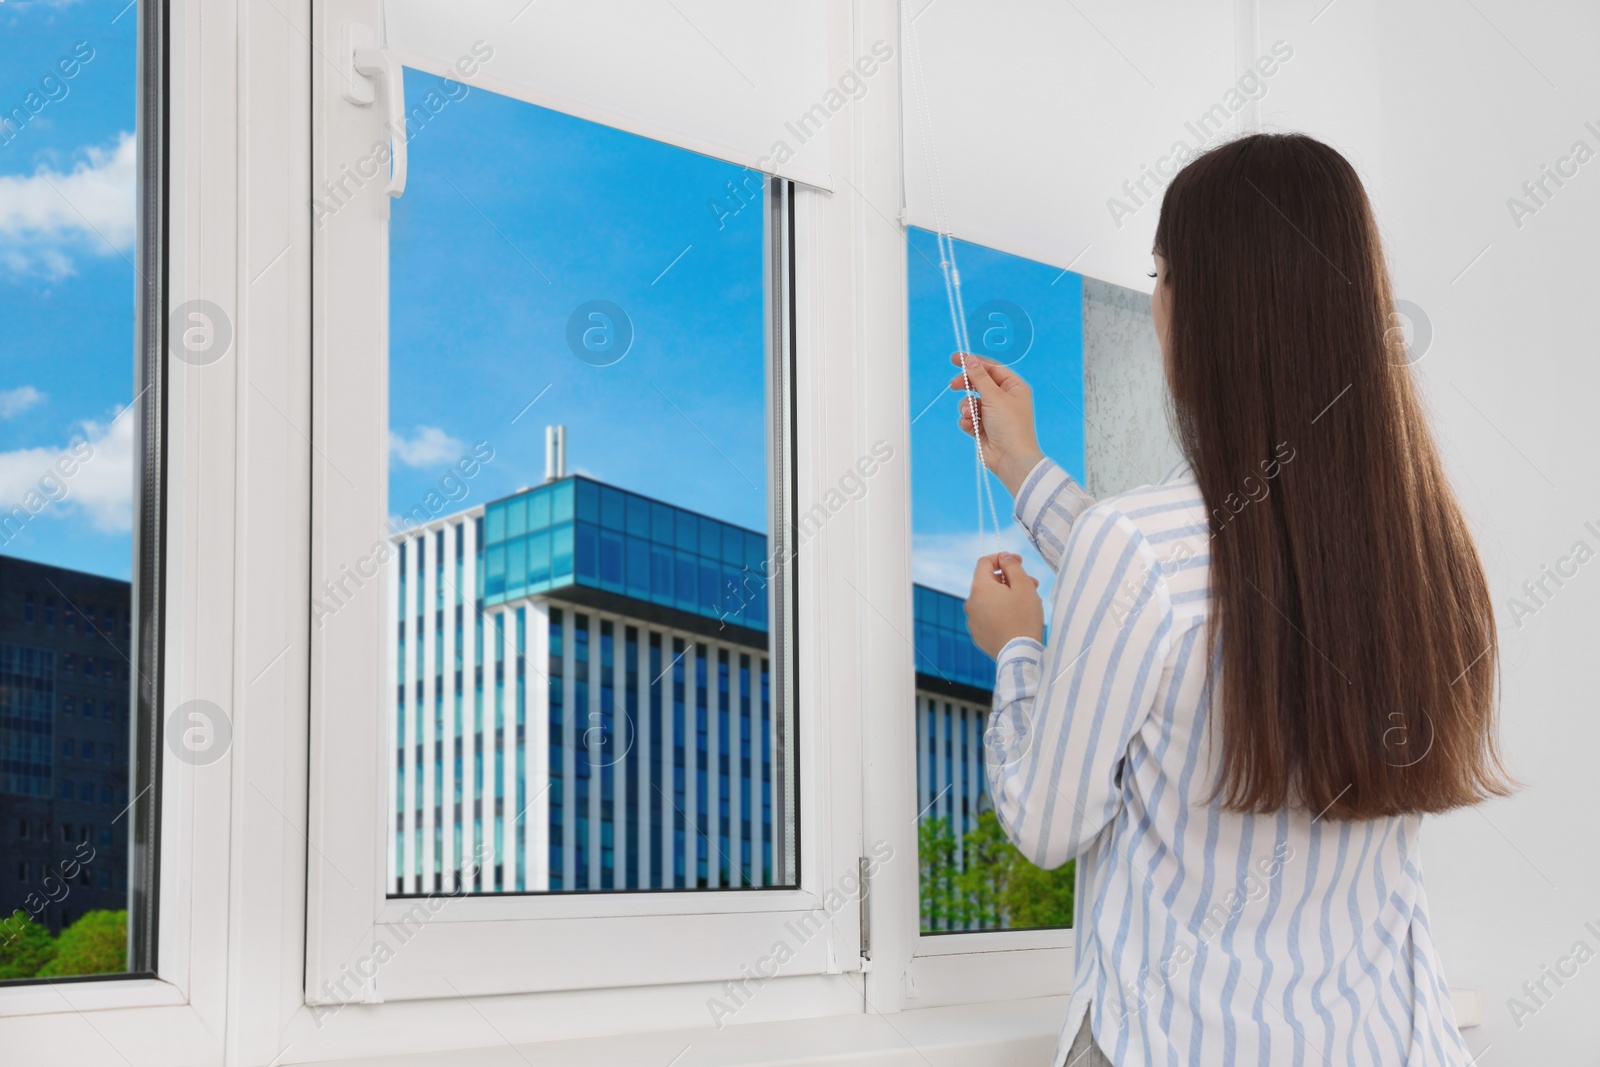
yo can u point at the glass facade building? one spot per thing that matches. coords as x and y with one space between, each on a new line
582 699
580 532
27 720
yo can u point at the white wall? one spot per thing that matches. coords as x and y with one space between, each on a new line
1446 108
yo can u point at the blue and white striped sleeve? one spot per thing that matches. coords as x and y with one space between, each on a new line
1048 503
1063 714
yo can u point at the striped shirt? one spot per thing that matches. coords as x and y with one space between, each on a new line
1204 936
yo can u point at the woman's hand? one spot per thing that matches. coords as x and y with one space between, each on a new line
1003 606
1005 412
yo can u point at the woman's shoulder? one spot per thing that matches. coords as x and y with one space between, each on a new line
1160 509
1165 524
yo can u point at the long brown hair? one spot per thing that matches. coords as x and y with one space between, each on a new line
1357 637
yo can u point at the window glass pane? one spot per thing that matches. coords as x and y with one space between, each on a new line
688 532
539 509
70 457
638 517
588 552
638 567
685 580
662 520
538 561
561 552
496 571
561 502
732 546
516 566
661 574
1029 316
610 561
613 509
583 269
588 501
710 539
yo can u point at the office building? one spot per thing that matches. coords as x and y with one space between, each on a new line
64 730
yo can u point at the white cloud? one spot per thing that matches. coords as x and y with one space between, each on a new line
429 447
946 561
16 401
99 487
47 212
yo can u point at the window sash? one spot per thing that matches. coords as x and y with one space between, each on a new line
512 942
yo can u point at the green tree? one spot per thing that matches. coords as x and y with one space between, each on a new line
989 861
992 886
1035 897
25 946
96 944
936 859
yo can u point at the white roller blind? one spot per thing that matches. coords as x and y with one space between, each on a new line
743 81
1025 120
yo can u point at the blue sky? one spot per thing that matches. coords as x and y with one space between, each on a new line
514 216
66 281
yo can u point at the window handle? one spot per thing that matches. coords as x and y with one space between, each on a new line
364 64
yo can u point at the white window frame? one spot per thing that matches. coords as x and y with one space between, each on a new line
910 969
507 944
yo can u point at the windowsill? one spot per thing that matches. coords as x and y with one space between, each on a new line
46 998
970 1034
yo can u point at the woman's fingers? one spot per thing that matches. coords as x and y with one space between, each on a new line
965 421
986 568
1007 379
976 373
982 380
1010 564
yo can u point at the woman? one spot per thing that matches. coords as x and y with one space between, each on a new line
1262 671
